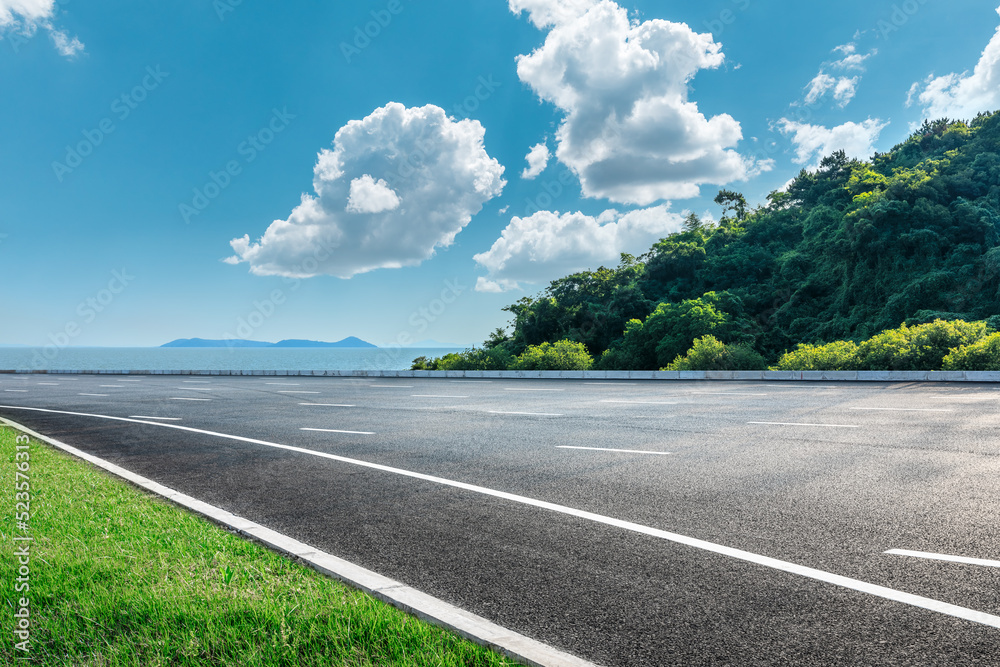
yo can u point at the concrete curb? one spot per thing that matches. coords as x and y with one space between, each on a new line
423 606
790 376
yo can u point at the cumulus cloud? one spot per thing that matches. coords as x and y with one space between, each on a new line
629 131
396 186
538 159
24 17
548 244
964 95
816 141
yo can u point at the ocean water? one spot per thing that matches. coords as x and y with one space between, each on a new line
211 359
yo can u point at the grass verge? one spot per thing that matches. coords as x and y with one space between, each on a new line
121 577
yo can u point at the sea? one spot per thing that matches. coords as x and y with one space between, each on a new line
212 359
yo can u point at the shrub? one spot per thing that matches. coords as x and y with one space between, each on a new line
918 348
710 354
841 355
983 355
475 359
564 355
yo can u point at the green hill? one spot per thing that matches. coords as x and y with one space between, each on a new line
849 250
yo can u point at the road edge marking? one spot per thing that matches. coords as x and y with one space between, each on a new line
410 600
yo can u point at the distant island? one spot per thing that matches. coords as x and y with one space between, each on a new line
350 341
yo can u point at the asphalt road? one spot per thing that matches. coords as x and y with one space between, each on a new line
824 476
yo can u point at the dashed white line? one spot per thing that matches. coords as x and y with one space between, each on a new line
640 402
17 391
167 419
509 389
335 430
434 396
110 386
800 424
849 583
130 380
951 559
619 384
295 391
605 449
91 394
49 384
194 388
908 409
472 381
392 386
285 384
188 399
329 405
193 381
533 414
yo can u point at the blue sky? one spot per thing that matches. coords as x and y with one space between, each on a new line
147 148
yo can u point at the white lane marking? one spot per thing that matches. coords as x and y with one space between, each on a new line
392 386
189 399
295 391
193 381
951 559
723 393
472 381
798 424
618 384
194 388
110 386
329 405
167 419
909 409
739 554
49 384
969 398
434 396
285 384
533 414
17 391
337 430
125 380
604 449
91 394
641 402
508 389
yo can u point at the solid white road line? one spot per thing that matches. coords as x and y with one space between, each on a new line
189 399
798 424
337 430
533 414
91 394
909 409
739 554
167 419
329 405
604 449
434 396
945 557
410 600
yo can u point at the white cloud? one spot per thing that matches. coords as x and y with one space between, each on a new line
815 141
66 45
538 159
841 88
547 244
24 17
545 13
964 95
629 131
396 186
371 196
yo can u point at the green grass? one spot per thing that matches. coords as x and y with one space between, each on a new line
119 577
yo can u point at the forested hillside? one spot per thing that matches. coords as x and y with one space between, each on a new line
849 250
